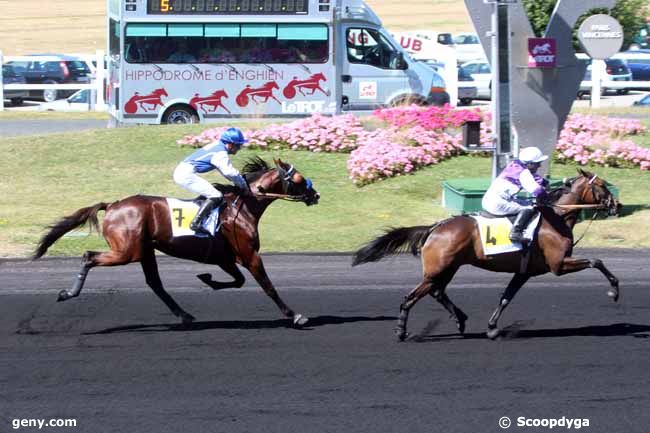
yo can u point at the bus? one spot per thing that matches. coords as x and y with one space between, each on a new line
187 61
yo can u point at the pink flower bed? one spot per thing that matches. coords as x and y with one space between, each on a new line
601 141
409 138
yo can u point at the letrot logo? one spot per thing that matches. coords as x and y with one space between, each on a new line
541 53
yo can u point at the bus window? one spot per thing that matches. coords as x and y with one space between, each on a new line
368 46
226 43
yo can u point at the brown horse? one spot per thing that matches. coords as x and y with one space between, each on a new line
449 244
138 225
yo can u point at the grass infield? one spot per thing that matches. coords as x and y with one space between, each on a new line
49 176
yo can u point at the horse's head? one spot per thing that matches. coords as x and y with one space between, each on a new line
284 180
160 92
592 190
220 94
319 77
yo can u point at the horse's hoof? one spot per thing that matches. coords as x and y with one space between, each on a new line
299 320
613 294
187 318
460 322
206 278
64 295
461 326
401 335
493 333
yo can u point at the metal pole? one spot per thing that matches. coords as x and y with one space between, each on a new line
2 91
100 74
501 110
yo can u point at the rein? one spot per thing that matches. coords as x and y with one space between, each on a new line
286 197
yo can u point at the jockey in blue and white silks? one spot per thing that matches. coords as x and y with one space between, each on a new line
214 156
501 197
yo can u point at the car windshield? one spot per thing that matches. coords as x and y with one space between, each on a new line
8 71
466 39
78 66
615 62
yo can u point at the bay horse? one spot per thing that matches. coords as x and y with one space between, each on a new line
447 245
136 226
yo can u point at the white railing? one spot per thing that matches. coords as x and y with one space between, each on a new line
96 85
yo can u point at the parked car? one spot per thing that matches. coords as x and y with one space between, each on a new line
52 69
468 47
79 101
9 76
480 72
467 90
644 102
639 63
617 70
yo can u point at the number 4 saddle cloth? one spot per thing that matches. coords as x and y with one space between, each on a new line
495 233
181 214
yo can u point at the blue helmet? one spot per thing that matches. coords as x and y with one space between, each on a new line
234 136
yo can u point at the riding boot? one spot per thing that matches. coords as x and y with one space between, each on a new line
520 224
206 207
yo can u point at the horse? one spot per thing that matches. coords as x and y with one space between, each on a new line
448 244
136 226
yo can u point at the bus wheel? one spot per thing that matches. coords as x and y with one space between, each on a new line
180 114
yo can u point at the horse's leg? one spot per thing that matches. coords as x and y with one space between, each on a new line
409 301
232 269
440 284
150 269
256 267
89 260
515 284
570 265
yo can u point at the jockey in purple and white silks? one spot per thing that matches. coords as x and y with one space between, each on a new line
501 197
214 156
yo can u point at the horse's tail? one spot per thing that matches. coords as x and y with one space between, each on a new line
68 223
394 241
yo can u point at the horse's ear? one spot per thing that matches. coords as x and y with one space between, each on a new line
278 162
584 173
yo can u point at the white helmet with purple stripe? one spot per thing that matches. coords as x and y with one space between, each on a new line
531 154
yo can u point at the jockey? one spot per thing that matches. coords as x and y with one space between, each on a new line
210 157
501 198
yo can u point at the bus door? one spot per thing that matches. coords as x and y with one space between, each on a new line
372 74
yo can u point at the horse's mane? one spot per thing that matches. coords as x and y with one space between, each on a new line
253 169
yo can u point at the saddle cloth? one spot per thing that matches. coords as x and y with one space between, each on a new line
495 234
181 214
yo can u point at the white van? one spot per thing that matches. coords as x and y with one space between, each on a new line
180 61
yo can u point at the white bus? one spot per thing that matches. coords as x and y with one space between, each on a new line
182 61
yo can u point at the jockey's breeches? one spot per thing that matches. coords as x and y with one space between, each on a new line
185 176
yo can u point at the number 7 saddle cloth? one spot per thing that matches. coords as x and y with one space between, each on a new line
495 234
181 214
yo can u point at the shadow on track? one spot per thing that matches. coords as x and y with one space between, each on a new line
241 324
515 331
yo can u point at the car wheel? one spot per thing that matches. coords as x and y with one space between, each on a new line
50 95
180 115
465 101
16 102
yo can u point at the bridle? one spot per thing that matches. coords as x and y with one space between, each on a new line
582 198
288 184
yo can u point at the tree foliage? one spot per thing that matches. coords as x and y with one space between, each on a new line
630 13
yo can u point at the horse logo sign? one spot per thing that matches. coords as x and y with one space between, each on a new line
541 53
